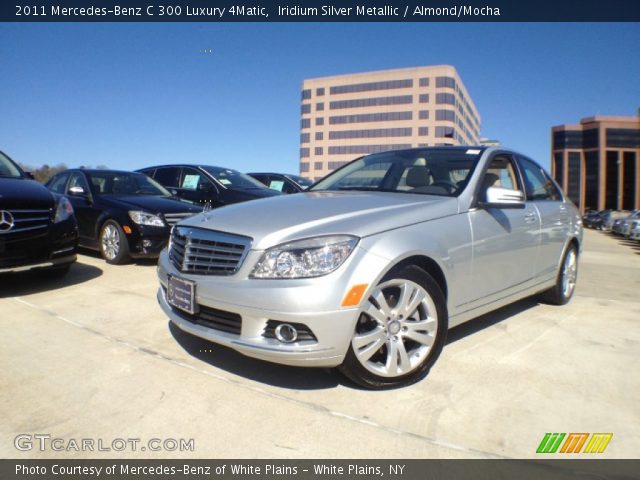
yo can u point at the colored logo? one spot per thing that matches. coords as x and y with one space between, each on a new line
574 442
6 221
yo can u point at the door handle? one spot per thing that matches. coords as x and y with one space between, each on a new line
530 217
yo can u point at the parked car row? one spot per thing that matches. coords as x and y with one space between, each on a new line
123 215
623 223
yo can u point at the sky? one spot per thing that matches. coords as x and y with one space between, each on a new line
134 95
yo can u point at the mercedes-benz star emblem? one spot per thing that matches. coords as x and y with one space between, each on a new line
6 221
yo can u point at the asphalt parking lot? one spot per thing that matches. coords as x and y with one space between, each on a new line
93 356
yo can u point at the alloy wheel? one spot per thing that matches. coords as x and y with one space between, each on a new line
396 329
569 273
110 242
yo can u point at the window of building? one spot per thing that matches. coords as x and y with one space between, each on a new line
444 132
445 99
305 108
305 123
366 87
423 98
446 115
370 117
628 180
623 137
319 135
445 82
318 165
334 165
423 131
424 82
574 174
592 179
319 92
370 133
318 151
359 149
371 102
558 168
306 94
304 138
611 182
320 121
304 152
319 107
304 167
423 114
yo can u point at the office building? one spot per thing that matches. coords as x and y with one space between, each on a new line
347 116
597 162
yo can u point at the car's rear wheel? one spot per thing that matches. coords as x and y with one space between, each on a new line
562 291
114 246
400 332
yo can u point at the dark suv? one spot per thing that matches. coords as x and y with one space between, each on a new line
206 184
37 228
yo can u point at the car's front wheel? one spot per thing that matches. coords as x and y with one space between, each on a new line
400 332
114 246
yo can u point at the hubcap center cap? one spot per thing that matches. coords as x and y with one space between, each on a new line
394 327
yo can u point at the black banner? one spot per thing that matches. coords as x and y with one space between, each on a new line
317 469
321 11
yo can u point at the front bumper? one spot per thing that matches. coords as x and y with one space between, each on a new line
314 303
147 242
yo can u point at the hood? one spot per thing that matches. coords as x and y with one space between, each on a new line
285 218
25 194
150 203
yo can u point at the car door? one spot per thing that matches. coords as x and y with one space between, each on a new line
79 194
505 240
554 216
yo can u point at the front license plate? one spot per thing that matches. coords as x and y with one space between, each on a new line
181 294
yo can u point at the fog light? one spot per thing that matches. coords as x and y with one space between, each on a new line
286 333
147 243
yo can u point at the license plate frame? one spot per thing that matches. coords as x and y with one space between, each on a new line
181 294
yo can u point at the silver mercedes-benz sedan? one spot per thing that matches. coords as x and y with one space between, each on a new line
368 269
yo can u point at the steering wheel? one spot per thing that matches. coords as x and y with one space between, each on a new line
446 184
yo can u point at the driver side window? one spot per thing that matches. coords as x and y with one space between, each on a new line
501 173
78 180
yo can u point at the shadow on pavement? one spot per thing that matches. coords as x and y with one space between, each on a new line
144 262
489 319
37 281
297 378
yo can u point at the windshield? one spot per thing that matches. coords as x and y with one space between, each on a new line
8 168
437 171
232 178
125 183
303 182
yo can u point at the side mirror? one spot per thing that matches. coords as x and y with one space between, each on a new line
77 192
499 197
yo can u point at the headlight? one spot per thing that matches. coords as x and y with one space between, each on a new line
312 257
144 218
64 210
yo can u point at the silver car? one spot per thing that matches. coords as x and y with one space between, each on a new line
369 269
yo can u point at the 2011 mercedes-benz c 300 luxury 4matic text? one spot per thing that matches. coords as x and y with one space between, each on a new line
369 269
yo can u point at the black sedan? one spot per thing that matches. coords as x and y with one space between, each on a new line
124 215
37 228
283 182
206 184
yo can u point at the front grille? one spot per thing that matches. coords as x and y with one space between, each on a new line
213 318
207 252
35 221
173 218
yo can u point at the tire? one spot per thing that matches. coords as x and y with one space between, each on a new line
56 272
394 349
565 286
114 246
